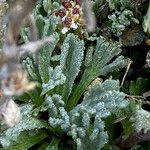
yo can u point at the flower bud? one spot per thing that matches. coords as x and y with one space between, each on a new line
75 10
67 21
66 3
62 12
78 2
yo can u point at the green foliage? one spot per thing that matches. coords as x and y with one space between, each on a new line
46 25
47 4
120 19
56 85
146 22
74 105
27 123
115 4
99 102
141 119
28 139
29 65
104 52
71 59
124 117
44 60
53 145
56 78
138 87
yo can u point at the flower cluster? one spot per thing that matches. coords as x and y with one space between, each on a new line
71 15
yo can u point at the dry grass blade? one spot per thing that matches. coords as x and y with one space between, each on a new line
14 79
89 17
18 15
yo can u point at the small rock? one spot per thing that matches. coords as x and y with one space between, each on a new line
132 36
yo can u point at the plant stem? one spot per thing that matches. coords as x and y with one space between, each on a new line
54 142
133 139
84 82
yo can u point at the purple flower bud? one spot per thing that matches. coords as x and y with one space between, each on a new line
66 3
62 12
67 21
78 2
75 11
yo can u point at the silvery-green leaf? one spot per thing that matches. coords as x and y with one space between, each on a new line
99 65
30 67
44 59
47 4
140 119
27 139
55 78
88 57
27 123
40 25
72 52
146 22
85 122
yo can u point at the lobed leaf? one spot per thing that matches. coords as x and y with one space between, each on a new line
27 123
85 122
26 140
30 68
72 52
55 78
140 119
100 65
44 59
146 21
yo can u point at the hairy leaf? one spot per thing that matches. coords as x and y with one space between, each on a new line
27 123
27 140
146 22
55 78
44 59
99 102
30 68
72 52
85 122
99 65
140 119
88 57
40 25
47 4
